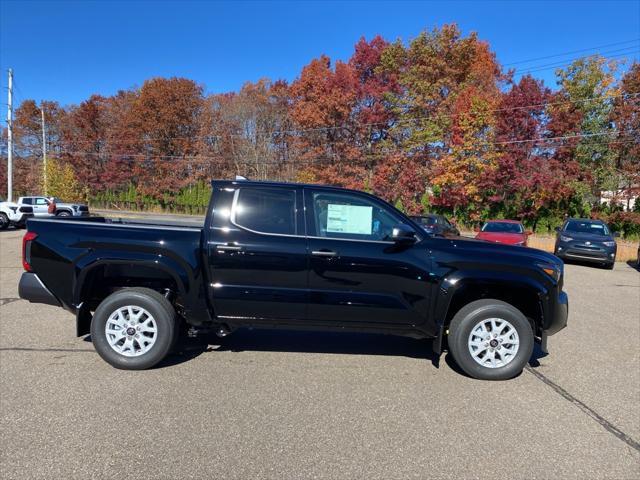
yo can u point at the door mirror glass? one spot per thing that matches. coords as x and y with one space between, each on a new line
403 234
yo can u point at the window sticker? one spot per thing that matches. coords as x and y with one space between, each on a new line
349 219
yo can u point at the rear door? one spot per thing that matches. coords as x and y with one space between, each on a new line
257 253
357 274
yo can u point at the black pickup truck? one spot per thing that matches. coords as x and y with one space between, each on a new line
291 256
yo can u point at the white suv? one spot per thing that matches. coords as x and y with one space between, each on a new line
14 214
41 207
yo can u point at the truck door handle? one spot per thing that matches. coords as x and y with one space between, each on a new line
228 248
324 253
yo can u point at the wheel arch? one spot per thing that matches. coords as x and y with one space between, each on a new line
100 278
524 293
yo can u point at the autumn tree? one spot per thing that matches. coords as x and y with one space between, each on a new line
84 135
323 100
164 126
626 144
586 87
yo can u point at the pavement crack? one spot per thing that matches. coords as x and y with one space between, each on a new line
606 424
28 349
4 301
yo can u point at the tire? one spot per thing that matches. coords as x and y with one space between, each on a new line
472 317
4 221
128 352
63 213
609 266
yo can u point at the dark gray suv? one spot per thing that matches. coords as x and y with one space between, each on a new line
586 240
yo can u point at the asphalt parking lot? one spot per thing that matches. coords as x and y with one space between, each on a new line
304 405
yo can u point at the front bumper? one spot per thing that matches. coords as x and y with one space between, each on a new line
584 253
560 316
32 289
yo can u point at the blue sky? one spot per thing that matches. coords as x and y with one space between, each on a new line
66 51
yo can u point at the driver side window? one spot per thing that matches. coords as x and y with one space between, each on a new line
346 216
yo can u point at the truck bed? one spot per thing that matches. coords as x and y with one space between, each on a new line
69 255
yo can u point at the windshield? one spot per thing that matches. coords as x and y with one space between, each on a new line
587 227
502 227
427 220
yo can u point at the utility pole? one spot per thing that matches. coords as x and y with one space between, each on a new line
10 139
44 149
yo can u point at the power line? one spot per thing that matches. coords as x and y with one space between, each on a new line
151 157
636 40
567 62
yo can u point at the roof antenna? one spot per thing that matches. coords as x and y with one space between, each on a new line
241 178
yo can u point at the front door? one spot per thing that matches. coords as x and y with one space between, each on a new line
257 254
357 274
40 207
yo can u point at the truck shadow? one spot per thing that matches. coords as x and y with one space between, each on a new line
634 264
324 342
302 342
294 341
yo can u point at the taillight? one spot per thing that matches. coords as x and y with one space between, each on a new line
26 249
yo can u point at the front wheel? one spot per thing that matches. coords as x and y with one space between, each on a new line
490 339
134 328
4 221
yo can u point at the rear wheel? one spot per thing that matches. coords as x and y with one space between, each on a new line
490 340
4 221
63 213
134 328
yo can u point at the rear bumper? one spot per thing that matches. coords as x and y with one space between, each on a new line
32 289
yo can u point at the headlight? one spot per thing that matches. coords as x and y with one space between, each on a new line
13 209
609 244
552 270
565 239
75 207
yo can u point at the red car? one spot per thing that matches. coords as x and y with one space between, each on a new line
510 232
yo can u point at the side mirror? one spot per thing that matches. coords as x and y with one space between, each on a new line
403 234
616 234
557 229
528 233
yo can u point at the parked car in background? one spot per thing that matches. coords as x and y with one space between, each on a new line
40 205
586 240
437 225
509 232
12 214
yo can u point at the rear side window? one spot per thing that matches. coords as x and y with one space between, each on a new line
266 210
41 201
